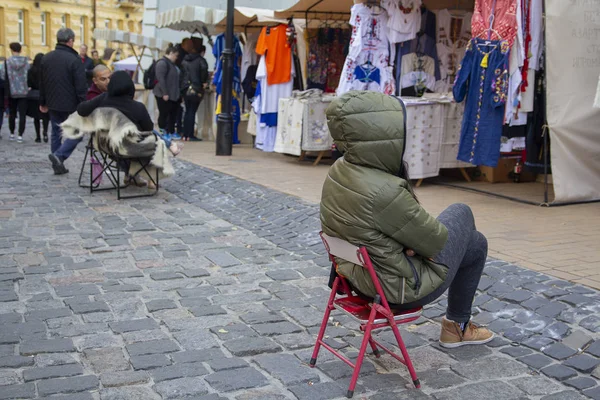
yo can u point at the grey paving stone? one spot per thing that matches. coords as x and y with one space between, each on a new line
162 304
207 311
194 339
237 379
536 385
222 259
128 393
536 302
15 361
89 307
165 276
516 334
251 346
277 328
295 341
593 393
76 396
554 292
122 288
198 292
152 347
106 359
261 317
465 353
67 385
306 316
197 355
149 362
195 302
33 347
559 372
557 330
133 325
551 310
337 370
516 351
123 378
538 342
44 315
52 372
438 379
77 289
490 390
20 391
319 391
518 296
577 340
576 300
591 323
287 368
559 351
259 394
581 383
536 361
583 363
224 363
233 331
283 275
594 349
564 395
178 371
498 367
195 273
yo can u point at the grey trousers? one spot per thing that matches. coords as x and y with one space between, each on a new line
464 254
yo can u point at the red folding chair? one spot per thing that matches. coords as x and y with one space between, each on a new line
371 315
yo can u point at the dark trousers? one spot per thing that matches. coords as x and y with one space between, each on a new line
45 121
167 113
191 108
464 254
179 118
17 106
61 148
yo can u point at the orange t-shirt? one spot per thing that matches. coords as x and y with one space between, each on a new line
278 53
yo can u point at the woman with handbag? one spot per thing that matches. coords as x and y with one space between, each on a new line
33 99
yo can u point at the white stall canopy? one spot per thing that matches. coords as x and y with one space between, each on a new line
133 39
190 19
247 19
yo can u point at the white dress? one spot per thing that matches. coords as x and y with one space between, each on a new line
404 19
451 52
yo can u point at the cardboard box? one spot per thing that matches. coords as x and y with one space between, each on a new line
502 173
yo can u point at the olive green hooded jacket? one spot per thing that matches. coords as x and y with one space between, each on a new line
365 202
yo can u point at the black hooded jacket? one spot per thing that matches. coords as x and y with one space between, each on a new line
196 69
120 96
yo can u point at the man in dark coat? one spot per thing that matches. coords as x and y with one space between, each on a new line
63 87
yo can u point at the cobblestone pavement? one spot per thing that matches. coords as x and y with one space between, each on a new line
215 290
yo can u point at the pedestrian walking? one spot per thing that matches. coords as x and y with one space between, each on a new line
368 200
2 98
96 58
167 90
88 63
40 120
63 86
17 67
196 72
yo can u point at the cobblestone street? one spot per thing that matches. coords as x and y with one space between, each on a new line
215 289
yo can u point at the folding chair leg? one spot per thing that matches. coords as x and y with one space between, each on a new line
87 152
374 347
118 181
315 354
407 360
361 354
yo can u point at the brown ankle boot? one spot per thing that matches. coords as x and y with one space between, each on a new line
452 336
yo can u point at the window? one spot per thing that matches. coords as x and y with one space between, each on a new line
44 28
107 23
21 24
120 24
82 28
63 21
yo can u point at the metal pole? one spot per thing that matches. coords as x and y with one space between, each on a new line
94 23
225 119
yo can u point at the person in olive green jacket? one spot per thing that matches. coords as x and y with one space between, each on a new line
368 201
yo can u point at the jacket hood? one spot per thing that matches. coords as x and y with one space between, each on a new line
369 129
192 57
17 63
121 85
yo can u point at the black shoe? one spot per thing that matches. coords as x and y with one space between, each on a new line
57 165
45 138
38 140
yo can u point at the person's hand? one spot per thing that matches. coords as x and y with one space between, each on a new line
43 109
166 97
410 252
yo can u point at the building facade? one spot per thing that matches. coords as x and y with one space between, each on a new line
34 23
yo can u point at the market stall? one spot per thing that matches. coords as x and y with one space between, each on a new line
193 19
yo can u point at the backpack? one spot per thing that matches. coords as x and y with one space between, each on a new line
150 75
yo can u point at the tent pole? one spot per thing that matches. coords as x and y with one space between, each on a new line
546 131
225 118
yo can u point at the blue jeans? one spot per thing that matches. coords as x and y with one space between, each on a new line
61 149
163 138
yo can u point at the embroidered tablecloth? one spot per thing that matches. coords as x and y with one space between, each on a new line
453 116
289 126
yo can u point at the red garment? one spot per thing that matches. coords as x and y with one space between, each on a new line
93 92
505 19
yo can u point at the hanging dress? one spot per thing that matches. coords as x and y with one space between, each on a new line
482 80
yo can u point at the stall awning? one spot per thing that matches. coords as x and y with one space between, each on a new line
327 9
113 35
190 18
249 19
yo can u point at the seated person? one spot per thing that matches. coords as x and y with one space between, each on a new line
368 200
92 115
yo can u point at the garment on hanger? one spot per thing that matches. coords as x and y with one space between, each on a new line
536 30
505 19
534 157
273 44
482 80
404 19
326 58
270 94
453 35
218 47
419 71
249 56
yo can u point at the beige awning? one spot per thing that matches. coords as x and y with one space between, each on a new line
117 36
247 19
190 19
340 9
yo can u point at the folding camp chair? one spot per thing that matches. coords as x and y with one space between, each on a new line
110 167
372 315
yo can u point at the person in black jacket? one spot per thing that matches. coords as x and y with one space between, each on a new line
88 64
63 86
196 69
33 99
